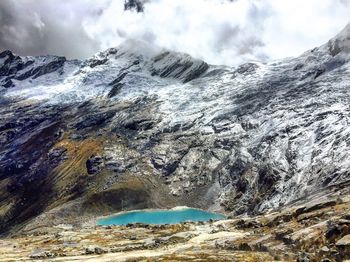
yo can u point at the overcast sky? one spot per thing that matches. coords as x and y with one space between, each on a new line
218 31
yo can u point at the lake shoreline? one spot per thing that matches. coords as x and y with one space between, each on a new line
179 209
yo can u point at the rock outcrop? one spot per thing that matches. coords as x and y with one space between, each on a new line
137 5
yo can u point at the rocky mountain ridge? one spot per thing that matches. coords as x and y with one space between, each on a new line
153 128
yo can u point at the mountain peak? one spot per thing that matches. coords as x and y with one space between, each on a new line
340 43
6 53
137 5
156 60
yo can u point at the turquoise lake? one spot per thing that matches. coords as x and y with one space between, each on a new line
160 217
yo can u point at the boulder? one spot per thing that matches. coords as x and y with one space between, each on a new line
41 254
91 250
56 154
337 229
94 164
343 245
303 257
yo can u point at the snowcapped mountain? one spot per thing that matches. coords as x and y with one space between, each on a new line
156 128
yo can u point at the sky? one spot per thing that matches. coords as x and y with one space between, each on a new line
218 31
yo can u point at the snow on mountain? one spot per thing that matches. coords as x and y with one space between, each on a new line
244 139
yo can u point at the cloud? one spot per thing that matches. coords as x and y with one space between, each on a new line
41 27
218 31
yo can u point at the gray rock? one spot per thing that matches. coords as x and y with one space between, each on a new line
343 244
41 254
136 5
94 250
94 164
115 90
57 153
303 257
325 249
95 120
133 238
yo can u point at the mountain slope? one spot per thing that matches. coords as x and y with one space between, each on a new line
140 126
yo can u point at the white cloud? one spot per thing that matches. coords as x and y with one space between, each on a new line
225 32
299 25
214 30
218 31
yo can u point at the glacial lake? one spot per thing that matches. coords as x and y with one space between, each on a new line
160 217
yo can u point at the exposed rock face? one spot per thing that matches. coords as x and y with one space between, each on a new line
245 139
137 5
13 67
94 164
341 43
178 66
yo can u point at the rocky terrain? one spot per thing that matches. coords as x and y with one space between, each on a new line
317 231
138 126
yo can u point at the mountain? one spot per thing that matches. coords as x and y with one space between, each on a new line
139 126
